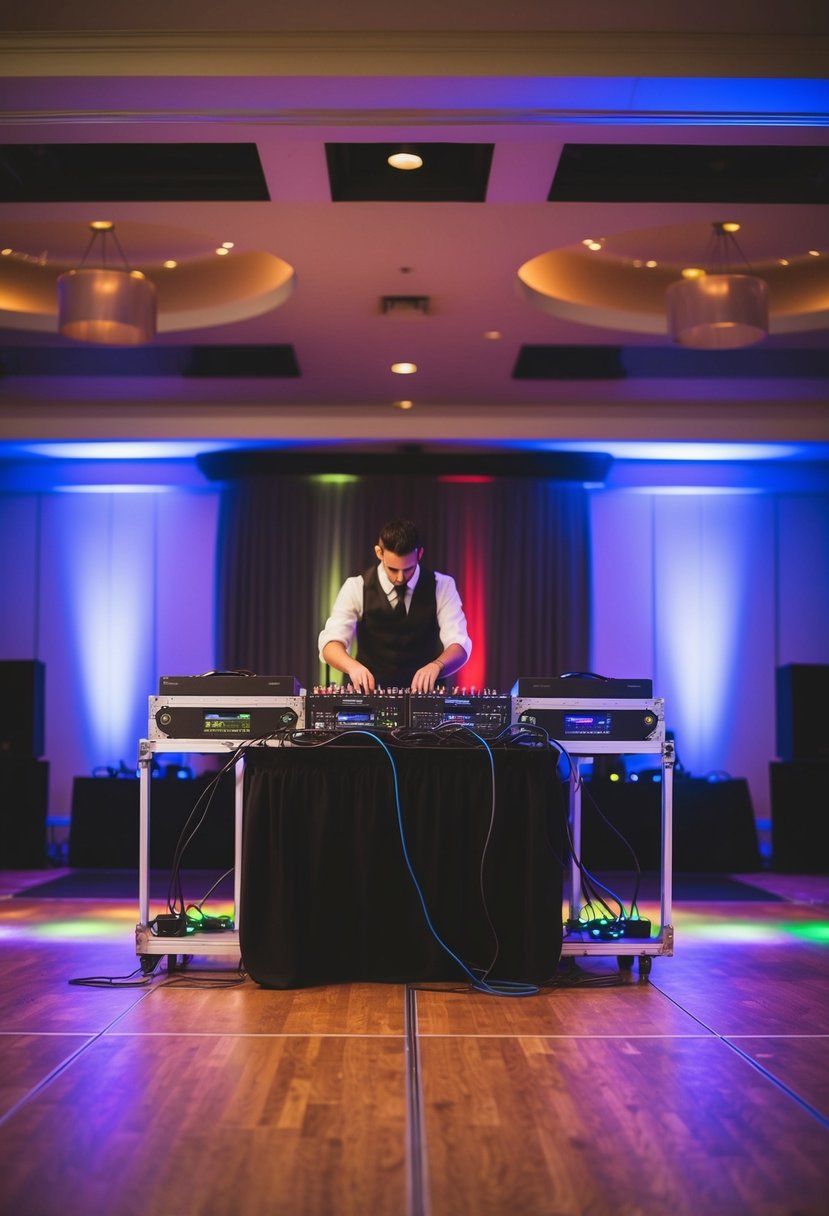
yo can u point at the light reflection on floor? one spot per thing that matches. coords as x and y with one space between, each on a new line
745 922
78 920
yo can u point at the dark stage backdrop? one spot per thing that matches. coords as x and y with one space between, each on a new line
518 548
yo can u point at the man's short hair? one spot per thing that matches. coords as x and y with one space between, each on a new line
399 536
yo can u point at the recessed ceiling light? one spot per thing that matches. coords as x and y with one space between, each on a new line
784 261
493 335
730 226
222 252
169 264
404 369
693 272
814 253
227 244
5 252
651 263
403 405
405 160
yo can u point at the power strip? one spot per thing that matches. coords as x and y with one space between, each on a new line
606 929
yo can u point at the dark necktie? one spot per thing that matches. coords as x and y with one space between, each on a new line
400 602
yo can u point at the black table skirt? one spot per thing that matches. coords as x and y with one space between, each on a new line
326 893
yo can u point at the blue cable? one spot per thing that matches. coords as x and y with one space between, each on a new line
499 988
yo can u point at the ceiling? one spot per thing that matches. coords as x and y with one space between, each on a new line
538 130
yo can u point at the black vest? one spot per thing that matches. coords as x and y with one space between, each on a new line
393 648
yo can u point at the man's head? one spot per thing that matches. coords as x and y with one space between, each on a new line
399 549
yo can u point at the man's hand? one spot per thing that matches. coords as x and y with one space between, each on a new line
425 679
360 678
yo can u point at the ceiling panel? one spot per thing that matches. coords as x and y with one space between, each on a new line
680 173
137 172
450 173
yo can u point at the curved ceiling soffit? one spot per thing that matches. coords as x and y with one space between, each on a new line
202 291
614 287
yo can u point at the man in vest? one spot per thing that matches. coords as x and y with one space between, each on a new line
409 621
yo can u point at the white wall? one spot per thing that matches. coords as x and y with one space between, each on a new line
110 590
707 591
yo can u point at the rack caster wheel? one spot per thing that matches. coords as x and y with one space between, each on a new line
645 962
149 962
625 962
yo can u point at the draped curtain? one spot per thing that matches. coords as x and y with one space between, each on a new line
518 549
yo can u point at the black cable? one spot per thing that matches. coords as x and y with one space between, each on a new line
175 893
117 981
210 980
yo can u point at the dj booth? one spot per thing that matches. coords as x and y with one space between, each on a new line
326 893
401 837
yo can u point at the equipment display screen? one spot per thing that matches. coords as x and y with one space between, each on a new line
353 715
587 724
227 722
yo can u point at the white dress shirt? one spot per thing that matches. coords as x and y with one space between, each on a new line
347 610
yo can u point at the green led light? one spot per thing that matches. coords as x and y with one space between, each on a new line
335 479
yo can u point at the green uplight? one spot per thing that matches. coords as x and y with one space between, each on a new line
335 479
77 930
815 931
710 927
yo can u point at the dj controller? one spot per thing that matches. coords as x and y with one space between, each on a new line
237 707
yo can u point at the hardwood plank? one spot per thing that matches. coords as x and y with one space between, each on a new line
27 1059
641 1127
363 1009
801 1062
763 987
36 994
631 1008
214 1124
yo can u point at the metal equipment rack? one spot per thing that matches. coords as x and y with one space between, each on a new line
148 946
580 751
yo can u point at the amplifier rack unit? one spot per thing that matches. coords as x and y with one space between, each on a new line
335 709
223 717
483 711
229 684
601 723
578 685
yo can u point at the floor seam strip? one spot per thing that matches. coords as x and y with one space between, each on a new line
415 1140
764 1072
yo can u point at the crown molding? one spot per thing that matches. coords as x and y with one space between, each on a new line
414 53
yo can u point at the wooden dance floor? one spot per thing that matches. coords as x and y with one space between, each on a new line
703 1091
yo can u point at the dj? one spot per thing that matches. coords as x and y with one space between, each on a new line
409 621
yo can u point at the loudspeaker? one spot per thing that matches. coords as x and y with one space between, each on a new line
800 817
21 707
103 830
24 795
803 711
713 826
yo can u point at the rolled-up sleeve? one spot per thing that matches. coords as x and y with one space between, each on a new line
451 617
345 613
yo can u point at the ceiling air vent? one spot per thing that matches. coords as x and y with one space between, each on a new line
404 306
